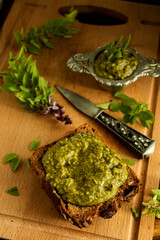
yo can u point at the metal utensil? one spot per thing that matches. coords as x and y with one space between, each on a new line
140 144
84 63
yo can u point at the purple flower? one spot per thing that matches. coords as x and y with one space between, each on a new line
57 110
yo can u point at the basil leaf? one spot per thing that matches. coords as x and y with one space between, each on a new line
115 106
145 122
103 105
156 192
118 54
26 80
123 96
14 164
13 191
145 210
35 44
127 118
118 40
35 144
158 215
126 42
135 212
152 214
47 42
9 157
130 102
147 115
6 88
128 161
28 163
133 119
125 109
33 50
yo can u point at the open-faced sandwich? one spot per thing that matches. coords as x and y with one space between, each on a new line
83 176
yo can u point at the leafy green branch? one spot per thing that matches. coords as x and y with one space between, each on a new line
36 37
114 51
24 81
131 109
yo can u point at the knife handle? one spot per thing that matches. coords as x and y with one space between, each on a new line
141 145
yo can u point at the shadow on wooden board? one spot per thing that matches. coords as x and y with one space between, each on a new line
5 6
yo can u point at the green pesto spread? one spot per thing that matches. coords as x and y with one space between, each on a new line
83 170
120 69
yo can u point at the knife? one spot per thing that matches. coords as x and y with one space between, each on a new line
140 144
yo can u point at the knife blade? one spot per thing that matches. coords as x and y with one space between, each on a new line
140 144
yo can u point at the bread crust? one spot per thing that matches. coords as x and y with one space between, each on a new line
77 215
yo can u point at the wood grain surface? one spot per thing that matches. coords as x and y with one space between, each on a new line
32 215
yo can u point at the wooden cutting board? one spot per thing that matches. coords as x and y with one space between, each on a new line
32 215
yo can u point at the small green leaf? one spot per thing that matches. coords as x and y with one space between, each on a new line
145 122
119 39
127 118
47 42
33 50
133 119
118 54
128 161
28 163
6 88
145 204
115 106
126 42
158 215
156 192
26 80
35 44
10 56
13 191
22 96
125 109
35 144
14 88
122 96
20 57
152 214
136 212
5 72
130 102
9 157
145 210
14 164
28 64
103 105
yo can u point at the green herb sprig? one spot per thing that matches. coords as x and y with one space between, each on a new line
41 36
24 81
114 51
131 109
152 207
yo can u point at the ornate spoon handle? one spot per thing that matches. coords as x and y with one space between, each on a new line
142 145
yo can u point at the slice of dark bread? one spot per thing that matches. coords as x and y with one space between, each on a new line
83 216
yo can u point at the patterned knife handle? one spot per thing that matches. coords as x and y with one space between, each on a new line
141 145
